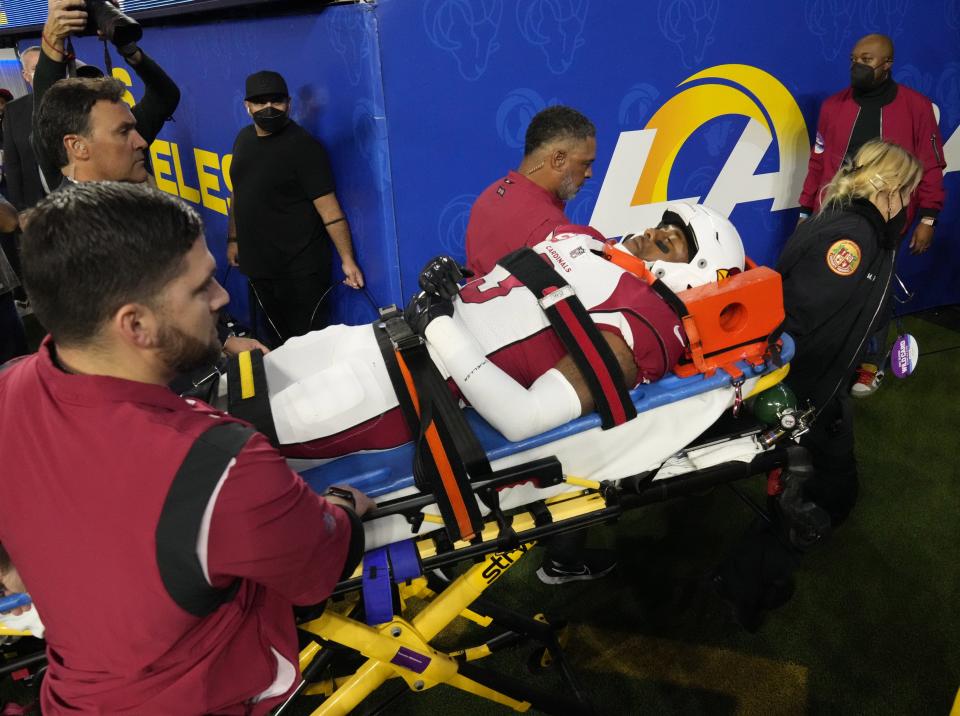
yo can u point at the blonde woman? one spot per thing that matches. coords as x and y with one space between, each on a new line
837 271
838 267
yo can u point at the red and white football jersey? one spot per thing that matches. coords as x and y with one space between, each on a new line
515 333
330 392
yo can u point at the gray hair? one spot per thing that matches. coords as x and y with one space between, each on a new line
32 48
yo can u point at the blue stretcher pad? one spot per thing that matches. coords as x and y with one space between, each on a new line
382 472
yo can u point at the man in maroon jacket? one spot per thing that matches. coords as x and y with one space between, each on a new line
163 542
876 106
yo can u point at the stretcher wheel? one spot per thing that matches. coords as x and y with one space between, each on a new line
540 660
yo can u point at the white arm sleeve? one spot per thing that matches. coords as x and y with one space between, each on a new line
515 411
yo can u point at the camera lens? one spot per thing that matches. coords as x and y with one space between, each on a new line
118 28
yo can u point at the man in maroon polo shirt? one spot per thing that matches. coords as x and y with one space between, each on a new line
522 208
163 542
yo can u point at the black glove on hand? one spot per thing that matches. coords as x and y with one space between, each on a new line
423 308
441 275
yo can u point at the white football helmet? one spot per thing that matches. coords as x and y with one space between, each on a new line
714 245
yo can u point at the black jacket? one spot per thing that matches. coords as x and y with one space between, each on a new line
19 162
837 272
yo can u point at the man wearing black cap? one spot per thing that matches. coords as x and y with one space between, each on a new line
283 212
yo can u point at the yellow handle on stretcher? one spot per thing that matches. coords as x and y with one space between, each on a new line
769 380
581 482
4 631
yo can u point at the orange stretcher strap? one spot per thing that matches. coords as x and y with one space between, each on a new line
695 345
442 461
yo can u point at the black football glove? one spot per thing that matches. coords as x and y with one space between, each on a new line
423 308
441 275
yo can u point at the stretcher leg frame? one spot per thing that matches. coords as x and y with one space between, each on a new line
401 648
393 648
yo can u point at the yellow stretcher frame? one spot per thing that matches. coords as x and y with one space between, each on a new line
387 646
391 648
7 631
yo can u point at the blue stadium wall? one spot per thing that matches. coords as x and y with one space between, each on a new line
423 104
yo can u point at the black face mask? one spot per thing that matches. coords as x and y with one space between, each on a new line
270 119
862 77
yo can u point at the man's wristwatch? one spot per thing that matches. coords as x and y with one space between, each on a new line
343 495
928 220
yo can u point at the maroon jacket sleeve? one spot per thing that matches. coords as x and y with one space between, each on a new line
814 180
267 525
929 143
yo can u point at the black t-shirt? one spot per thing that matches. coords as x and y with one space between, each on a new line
275 180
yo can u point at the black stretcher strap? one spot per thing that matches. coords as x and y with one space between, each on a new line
254 408
670 298
579 335
439 410
386 342
180 519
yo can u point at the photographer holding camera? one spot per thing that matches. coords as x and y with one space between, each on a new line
87 17
84 131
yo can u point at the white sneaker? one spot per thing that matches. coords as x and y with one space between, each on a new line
868 380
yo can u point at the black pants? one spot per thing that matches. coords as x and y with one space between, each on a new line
566 549
835 485
291 306
762 561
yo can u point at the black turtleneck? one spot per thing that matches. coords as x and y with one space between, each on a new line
868 124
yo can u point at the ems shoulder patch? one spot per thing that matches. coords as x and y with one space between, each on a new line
843 257
818 144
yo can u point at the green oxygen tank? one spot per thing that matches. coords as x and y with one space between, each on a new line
774 402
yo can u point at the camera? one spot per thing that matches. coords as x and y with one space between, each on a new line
112 23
